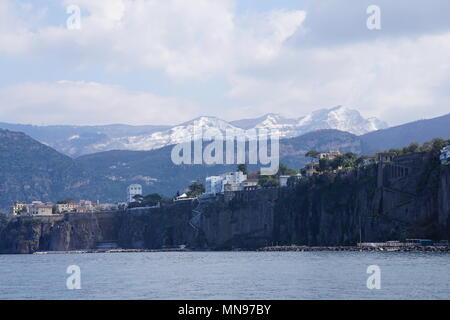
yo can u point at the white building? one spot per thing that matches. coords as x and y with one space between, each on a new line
445 155
132 191
66 207
213 185
20 209
41 209
183 197
333 154
231 181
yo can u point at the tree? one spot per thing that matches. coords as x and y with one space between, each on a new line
65 201
286 171
412 148
268 181
312 154
324 165
349 160
138 198
360 161
242 168
196 189
150 200
154 197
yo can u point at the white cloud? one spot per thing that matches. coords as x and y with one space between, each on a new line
288 61
67 102
398 79
184 39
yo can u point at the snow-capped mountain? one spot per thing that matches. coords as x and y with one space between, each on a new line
80 140
339 118
178 134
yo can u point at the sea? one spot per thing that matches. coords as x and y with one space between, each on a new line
226 275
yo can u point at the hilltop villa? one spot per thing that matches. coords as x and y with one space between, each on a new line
445 155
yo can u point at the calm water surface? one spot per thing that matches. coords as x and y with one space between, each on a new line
227 275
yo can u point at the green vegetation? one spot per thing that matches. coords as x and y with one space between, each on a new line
432 147
268 181
196 189
65 201
343 161
150 200
242 168
285 171
273 181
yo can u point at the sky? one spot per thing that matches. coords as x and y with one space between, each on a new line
169 61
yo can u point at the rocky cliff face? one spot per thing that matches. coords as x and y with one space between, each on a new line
156 228
444 204
408 198
241 220
28 235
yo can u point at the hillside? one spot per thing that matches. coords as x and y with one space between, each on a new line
77 140
400 136
157 173
31 171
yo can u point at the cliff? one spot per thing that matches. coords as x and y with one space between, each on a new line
407 198
59 233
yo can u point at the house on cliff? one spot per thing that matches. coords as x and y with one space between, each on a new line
232 181
445 155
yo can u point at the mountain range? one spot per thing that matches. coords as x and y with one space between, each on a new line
31 170
76 141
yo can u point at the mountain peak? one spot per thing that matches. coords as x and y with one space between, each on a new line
76 141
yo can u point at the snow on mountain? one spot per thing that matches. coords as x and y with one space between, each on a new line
339 118
80 140
178 134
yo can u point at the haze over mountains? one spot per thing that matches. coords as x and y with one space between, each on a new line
81 140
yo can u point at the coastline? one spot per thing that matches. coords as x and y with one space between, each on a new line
431 249
356 249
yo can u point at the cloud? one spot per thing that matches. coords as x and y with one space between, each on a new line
67 102
185 40
337 22
399 80
288 61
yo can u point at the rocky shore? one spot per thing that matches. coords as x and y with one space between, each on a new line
356 249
